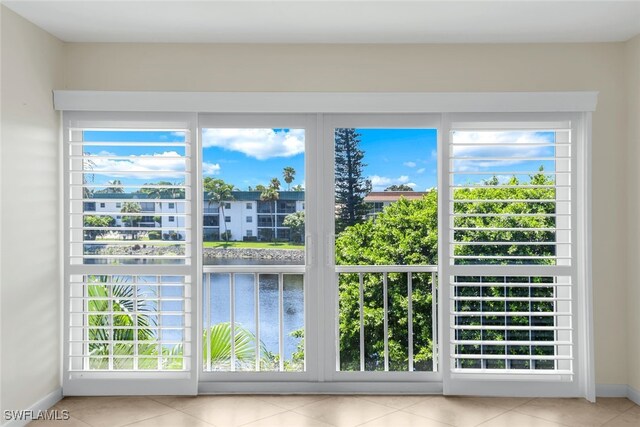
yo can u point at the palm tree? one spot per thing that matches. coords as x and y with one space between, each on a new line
134 319
271 194
129 311
219 192
275 183
216 346
114 186
288 173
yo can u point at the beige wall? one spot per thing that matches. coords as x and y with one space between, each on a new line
29 255
633 297
415 68
31 65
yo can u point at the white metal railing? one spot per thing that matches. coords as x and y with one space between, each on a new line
385 270
256 271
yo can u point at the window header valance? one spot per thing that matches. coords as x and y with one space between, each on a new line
326 102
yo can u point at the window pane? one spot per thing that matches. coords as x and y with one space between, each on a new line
386 215
254 215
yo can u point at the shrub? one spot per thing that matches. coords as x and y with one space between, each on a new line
155 235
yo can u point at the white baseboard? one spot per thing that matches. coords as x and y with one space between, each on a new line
618 390
633 395
43 404
611 390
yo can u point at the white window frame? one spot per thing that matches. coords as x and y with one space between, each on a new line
318 104
512 384
105 383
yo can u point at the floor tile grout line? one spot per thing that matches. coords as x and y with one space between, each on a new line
495 416
300 406
546 419
279 413
147 419
252 421
376 418
424 416
196 417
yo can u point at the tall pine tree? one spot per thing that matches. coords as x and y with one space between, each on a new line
351 186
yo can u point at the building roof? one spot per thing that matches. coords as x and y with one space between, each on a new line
241 196
393 196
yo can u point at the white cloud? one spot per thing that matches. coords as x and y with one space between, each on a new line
505 145
165 165
379 183
410 164
210 168
421 170
257 143
411 184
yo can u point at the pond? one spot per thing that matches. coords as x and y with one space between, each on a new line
268 304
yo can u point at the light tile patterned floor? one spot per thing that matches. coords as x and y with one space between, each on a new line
343 411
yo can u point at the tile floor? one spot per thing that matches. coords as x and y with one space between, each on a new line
342 411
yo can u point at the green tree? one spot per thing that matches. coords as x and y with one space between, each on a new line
351 186
131 220
406 234
219 192
295 222
298 187
401 187
94 221
113 187
288 174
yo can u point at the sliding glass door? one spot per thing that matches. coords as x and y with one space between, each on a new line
384 247
325 252
257 219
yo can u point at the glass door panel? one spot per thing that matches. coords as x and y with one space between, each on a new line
253 246
386 244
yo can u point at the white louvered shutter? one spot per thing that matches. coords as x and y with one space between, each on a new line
129 273
510 248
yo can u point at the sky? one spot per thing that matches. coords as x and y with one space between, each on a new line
248 157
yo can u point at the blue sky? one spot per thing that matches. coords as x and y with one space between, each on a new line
248 157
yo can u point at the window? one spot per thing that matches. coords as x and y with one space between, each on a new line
476 228
259 292
511 202
128 283
386 269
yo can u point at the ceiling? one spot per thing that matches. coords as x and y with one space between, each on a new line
355 21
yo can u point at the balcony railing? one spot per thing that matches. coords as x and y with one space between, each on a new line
262 306
397 304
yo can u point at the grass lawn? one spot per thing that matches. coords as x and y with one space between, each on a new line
254 245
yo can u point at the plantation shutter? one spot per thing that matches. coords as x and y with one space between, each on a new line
509 246
129 290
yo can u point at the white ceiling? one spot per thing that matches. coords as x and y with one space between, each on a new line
355 21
